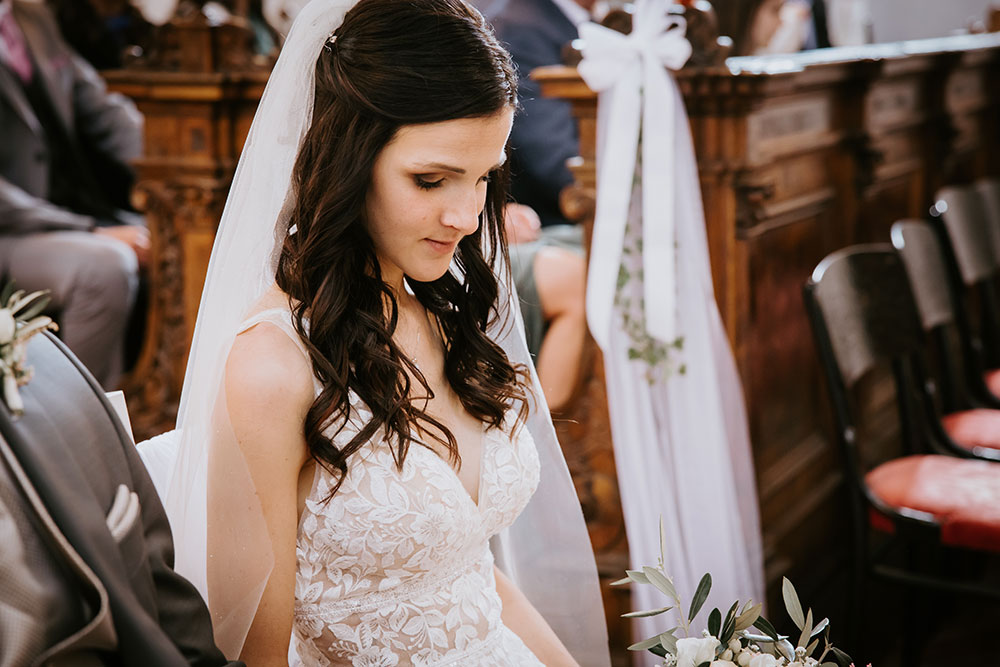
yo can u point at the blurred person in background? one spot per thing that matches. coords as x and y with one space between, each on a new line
547 256
759 27
65 220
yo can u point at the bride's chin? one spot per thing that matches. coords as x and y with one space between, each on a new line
428 274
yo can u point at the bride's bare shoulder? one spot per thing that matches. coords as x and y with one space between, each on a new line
266 369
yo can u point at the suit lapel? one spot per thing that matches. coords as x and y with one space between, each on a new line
99 631
42 53
11 90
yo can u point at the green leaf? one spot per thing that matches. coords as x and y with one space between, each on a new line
748 617
6 293
637 576
669 641
792 602
661 581
705 664
13 299
715 623
785 649
644 614
765 626
700 595
34 326
645 644
35 309
657 650
820 627
621 582
812 647
21 301
807 628
843 660
729 625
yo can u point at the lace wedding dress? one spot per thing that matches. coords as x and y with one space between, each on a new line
396 568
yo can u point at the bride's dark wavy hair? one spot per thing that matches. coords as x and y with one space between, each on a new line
394 63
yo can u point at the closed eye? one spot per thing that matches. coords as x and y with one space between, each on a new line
425 184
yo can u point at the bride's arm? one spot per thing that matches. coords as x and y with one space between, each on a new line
520 616
268 390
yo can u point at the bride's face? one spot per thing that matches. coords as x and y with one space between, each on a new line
427 190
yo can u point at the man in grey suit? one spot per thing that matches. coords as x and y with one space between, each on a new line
65 143
86 554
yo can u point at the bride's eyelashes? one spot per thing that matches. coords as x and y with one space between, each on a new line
424 183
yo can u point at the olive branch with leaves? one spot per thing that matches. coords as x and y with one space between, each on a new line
730 639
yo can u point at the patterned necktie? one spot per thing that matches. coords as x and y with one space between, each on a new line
15 51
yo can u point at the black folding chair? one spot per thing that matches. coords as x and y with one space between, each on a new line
973 250
864 318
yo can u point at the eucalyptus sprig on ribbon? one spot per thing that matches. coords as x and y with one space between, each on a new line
729 641
20 319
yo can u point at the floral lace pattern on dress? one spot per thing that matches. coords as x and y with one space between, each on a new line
396 569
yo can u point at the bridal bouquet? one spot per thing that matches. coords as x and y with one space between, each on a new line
20 319
741 638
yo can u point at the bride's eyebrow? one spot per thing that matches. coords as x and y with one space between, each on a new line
440 166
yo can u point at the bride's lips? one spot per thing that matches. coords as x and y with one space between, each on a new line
441 247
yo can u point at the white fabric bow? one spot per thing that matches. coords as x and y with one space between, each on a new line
629 72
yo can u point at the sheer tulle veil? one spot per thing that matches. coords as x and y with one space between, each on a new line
221 539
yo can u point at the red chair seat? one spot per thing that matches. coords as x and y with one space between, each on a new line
992 379
963 495
974 428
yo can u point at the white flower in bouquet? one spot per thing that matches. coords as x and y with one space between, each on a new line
8 326
692 651
20 319
763 660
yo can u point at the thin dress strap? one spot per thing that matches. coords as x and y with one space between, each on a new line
281 317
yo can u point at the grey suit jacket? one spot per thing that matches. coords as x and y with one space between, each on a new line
107 122
72 455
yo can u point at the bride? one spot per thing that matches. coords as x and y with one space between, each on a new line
360 421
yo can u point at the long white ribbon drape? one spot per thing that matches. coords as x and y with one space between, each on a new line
629 72
681 441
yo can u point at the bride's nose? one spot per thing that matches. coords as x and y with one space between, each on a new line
462 212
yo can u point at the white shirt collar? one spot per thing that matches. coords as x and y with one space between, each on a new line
576 14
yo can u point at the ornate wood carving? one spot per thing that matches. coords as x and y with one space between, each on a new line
195 127
182 219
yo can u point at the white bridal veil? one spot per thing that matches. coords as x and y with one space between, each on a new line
222 540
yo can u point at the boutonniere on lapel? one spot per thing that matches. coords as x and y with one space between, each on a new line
20 319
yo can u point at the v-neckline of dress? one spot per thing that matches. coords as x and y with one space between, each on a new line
354 401
484 440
